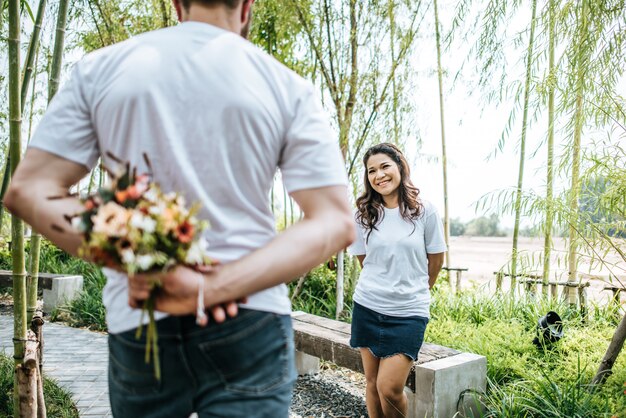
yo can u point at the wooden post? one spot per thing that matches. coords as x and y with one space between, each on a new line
499 277
616 299
36 326
27 375
458 281
553 291
582 299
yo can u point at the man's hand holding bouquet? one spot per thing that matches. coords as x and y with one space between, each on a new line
133 226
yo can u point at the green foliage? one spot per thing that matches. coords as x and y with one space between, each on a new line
457 227
58 402
319 292
484 227
526 381
85 311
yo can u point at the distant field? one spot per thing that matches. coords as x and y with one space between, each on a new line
485 255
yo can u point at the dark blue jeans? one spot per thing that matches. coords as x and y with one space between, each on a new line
243 367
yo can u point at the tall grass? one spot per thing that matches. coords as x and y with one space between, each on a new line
58 402
524 378
319 294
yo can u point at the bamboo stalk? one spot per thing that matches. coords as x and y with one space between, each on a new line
17 226
444 158
32 279
520 178
33 47
547 247
394 89
57 54
340 285
578 126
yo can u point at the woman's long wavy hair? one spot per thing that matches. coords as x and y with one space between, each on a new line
370 204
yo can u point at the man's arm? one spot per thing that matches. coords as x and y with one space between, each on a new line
435 262
40 176
327 227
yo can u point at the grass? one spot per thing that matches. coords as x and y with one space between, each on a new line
539 382
58 402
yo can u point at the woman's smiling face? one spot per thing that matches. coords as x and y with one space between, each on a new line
383 175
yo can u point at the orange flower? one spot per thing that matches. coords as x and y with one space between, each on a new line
121 195
90 204
184 232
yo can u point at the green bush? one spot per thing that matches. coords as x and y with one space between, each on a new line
319 292
525 379
58 402
85 311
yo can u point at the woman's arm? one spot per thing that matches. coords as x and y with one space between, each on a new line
361 258
435 262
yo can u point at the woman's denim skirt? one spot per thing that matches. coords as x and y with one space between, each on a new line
386 335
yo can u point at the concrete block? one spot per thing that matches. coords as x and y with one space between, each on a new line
63 290
306 364
439 384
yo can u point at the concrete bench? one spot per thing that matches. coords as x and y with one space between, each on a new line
436 381
58 289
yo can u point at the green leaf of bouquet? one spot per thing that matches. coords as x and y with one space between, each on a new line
106 195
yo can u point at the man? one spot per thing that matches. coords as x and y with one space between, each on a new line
216 117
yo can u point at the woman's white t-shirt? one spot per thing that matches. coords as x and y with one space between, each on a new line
394 278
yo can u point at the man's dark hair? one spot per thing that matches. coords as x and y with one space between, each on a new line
231 4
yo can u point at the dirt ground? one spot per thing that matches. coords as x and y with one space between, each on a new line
485 255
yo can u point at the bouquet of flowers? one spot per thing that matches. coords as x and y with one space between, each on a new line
133 225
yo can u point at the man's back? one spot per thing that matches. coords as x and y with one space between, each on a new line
215 116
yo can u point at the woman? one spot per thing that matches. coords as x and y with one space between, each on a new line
400 246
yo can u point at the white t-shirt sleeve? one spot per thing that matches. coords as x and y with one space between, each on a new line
66 128
358 246
311 157
433 231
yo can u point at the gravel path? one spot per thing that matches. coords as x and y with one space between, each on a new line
334 392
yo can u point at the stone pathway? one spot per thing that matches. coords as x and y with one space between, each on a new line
76 358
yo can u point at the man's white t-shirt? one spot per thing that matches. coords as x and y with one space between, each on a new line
216 116
394 278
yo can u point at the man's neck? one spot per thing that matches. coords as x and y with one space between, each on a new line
217 16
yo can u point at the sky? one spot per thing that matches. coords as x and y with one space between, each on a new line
473 130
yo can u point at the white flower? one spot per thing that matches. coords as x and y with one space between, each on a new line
194 255
197 252
78 225
128 256
145 261
156 209
111 220
145 223
151 195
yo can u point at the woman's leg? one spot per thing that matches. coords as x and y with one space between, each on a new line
391 377
370 365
